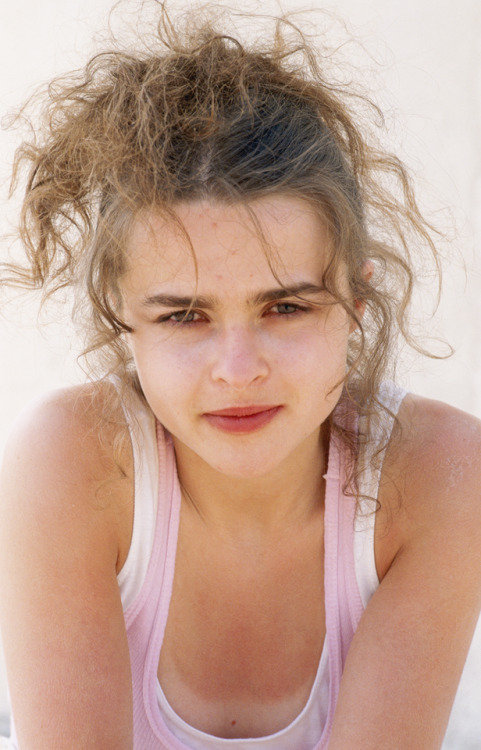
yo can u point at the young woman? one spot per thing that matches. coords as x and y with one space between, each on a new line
239 535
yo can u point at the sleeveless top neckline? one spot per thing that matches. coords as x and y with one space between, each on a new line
146 616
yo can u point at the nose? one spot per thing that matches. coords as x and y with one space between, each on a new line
240 358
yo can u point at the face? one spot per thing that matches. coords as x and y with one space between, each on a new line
239 370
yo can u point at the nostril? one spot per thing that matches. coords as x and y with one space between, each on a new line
239 361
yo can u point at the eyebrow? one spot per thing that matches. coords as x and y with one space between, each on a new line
209 302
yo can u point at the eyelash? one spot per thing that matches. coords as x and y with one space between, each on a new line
170 318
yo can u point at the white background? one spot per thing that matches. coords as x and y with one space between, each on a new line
423 66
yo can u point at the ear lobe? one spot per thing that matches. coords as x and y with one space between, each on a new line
367 270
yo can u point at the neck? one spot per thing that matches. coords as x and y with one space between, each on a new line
290 495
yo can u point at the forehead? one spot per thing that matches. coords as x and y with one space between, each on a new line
211 243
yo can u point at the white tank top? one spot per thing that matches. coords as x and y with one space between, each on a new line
306 729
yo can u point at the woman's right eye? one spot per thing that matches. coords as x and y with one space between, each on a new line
181 317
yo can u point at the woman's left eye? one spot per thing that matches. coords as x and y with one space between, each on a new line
287 308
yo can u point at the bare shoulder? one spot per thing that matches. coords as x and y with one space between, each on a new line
77 416
69 455
436 423
83 422
439 454
65 504
431 480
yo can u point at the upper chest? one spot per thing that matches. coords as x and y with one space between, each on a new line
244 633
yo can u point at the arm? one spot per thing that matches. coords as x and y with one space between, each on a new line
61 617
408 653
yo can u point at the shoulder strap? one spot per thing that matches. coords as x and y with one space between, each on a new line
342 599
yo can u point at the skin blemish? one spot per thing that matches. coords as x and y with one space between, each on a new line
233 723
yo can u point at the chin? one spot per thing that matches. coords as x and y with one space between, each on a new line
247 467
242 470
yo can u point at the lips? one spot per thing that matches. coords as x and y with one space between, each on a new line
240 419
241 411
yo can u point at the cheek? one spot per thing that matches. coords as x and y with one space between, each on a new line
151 351
169 375
325 344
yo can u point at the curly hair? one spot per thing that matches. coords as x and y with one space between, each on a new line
197 113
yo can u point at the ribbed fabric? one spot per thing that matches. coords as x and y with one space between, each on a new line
342 598
145 620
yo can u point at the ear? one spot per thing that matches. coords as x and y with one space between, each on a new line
367 270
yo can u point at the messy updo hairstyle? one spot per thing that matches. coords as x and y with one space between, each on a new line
197 113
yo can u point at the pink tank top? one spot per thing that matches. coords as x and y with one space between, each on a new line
146 617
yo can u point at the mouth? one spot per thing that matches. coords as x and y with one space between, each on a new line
241 411
242 419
